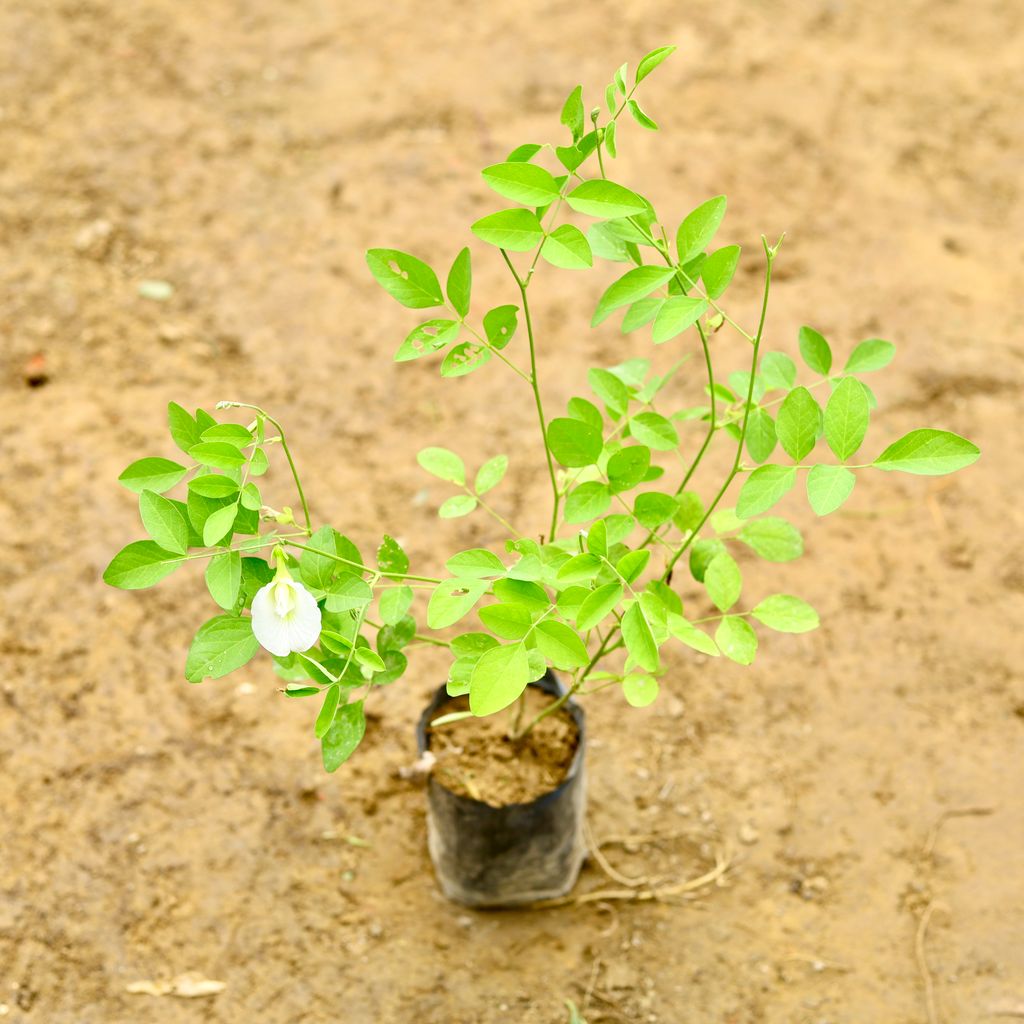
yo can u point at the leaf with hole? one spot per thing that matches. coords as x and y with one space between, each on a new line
405 278
452 600
426 339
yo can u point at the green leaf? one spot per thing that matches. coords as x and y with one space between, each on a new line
597 538
653 509
763 488
472 644
224 578
465 358
786 613
580 569
640 313
258 462
500 325
636 632
476 563
828 487
586 502
509 621
369 659
390 556
405 278
525 152
773 539
183 427
761 436
641 118
328 709
698 228
815 351
460 283
651 61
490 474
798 423
522 592
317 569
631 564
675 316
560 644
452 600
928 452
339 743
567 247
515 230
572 113
394 603
574 443
778 371
457 506
723 581
690 513
846 418
736 639
165 521
153 474
141 564
605 244
219 454
222 644
609 136
218 525
597 605
499 678
522 183
251 497
230 433
605 199
256 573
717 270
873 354
444 464
653 430
628 467
427 338
640 690
687 633
610 389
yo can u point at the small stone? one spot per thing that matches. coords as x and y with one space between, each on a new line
94 239
749 834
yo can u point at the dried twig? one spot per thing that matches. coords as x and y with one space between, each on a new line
603 863
922 964
959 812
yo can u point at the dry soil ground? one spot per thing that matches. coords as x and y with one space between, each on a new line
247 153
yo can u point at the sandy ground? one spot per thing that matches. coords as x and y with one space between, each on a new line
248 153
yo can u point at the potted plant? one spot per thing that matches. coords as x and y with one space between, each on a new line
586 605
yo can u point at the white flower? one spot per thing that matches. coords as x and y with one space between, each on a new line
285 616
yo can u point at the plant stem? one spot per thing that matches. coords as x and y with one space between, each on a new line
770 258
284 446
363 568
556 497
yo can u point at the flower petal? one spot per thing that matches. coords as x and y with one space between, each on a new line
304 622
269 629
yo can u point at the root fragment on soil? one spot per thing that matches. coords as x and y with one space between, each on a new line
645 892
957 812
185 986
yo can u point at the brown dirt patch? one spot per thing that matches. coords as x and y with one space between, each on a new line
476 758
247 152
